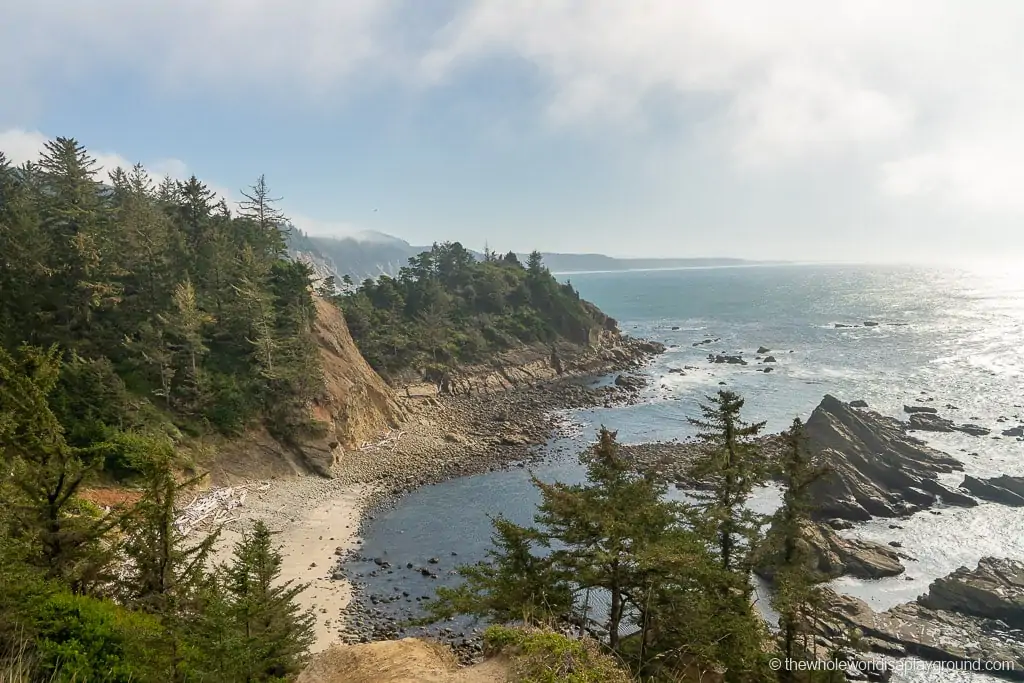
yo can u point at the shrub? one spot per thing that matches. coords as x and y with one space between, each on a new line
544 656
79 638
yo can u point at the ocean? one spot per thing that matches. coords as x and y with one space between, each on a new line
950 338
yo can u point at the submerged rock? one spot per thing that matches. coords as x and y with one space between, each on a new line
876 468
973 429
722 358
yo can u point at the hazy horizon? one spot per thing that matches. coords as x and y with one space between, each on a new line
849 131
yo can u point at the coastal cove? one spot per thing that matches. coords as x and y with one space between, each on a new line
942 338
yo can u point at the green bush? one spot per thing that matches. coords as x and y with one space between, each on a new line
80 638
543 656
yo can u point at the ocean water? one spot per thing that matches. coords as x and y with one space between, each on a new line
944 337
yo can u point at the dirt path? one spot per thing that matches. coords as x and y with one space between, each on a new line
409 660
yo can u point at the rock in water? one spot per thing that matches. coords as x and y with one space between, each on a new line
993 590
919 409
831 556
972 429
1004 490
859 403
970 615
763 349
930 422
877 469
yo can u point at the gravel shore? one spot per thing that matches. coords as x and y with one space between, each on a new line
318 520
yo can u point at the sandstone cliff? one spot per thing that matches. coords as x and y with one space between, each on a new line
356 406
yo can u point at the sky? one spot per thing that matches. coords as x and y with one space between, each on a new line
796 129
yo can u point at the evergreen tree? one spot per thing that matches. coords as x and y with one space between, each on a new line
276 632
796 596
46 473
513 584
163 575
269 225
602 527
730 465
83 264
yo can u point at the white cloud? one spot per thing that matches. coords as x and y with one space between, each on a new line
895 84
254 47
322 228
919 93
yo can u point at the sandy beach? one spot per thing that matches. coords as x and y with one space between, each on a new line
311 537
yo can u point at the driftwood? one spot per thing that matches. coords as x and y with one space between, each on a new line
390 440
213 506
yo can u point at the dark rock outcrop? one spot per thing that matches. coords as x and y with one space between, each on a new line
763 349
876 468
973 429
972 615
1004 490
859 403
930 422
722 358
835 556
992 590
920 409
630 383
1014 431
770 359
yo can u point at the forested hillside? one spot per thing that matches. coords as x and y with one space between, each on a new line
447 307
162 310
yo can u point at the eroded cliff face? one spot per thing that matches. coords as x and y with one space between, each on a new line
356 406
529 365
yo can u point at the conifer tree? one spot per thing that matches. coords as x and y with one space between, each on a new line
731 465
46 474
796 596
275 632
513 583
185 324
163 574
268 223
602 527
84 265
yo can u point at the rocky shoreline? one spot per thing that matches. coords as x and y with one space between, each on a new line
451 436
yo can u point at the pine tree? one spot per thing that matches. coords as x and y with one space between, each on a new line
47 473
185 324
269 224
796 596
163 575
513 584
148 243
276 632
83 262
731 466
602 527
